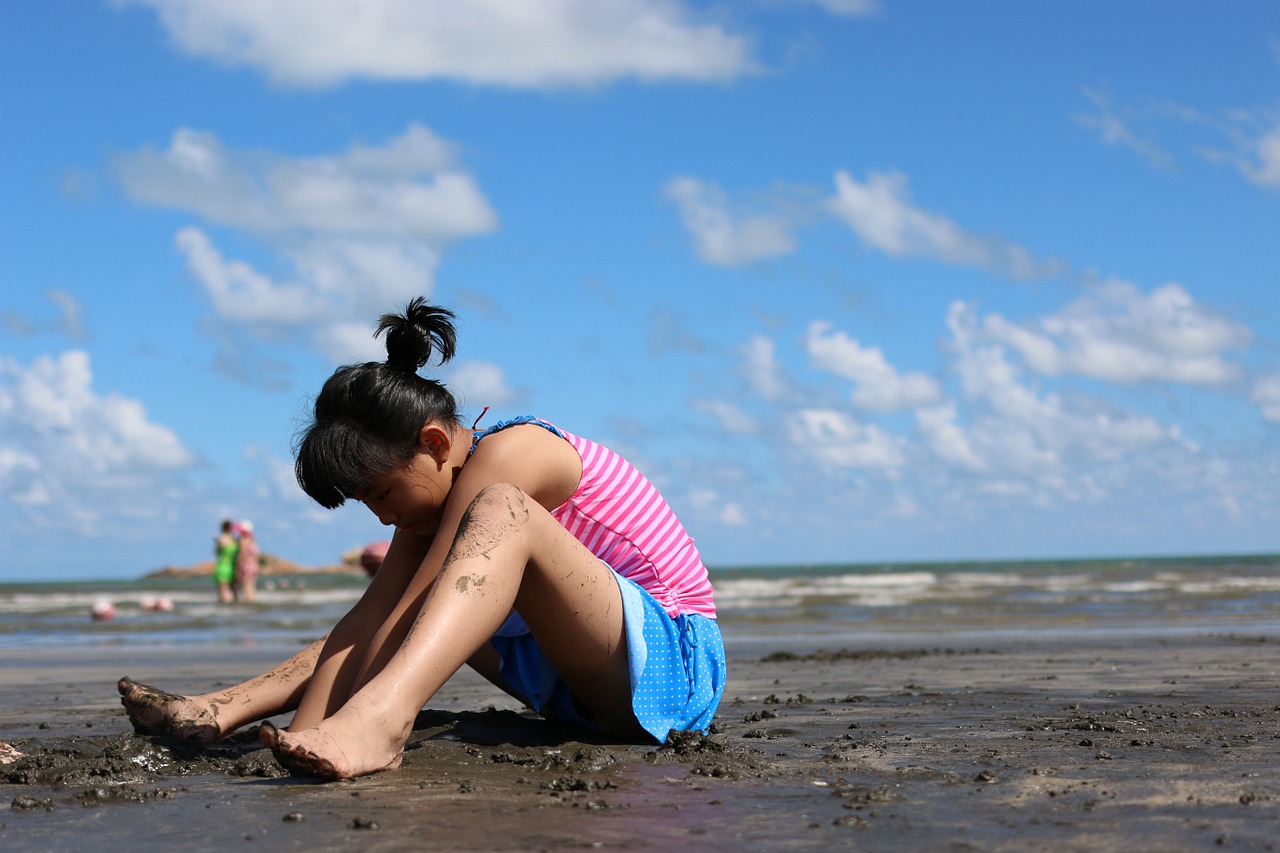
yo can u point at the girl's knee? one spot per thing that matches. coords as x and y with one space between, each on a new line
501 499
498 514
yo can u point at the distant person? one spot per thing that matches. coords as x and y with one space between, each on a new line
542 559
372 556
225 548
247 564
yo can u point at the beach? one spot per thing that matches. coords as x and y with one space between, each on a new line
990 732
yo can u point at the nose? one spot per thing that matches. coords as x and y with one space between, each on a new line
385 518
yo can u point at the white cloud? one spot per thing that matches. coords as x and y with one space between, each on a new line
667 334
1266 393
70 310
361 230
836 438
1261 163
709 503
20 478
762 370
551 43
1251 136
1114 131
1118 334
880 212
849 7
477 384
731 514
388 271
946 437
1011 432
722 236
67 446
879 386
1015 430
728 416
240 293
68 322
279 482
349 343
409 188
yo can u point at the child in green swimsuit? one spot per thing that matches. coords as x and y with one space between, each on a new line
225 548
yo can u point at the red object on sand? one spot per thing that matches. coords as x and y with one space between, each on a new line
372 556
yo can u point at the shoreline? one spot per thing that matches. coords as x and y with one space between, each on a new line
1091 742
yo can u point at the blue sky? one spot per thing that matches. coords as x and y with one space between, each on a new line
851 281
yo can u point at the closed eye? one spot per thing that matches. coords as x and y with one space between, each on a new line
368 499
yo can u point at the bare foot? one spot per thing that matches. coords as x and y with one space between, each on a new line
315 752
155 712
8 754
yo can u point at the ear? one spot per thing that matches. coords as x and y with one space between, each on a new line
435 441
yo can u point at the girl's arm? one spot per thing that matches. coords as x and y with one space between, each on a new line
543 465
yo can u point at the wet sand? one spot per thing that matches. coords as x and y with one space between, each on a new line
1048 743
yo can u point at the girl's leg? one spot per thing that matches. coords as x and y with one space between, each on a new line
508 552
315 682
212 716
392 596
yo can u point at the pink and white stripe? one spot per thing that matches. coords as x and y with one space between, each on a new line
619 515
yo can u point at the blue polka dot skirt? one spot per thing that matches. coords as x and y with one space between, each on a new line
677 668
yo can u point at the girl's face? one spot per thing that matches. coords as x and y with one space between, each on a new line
412 496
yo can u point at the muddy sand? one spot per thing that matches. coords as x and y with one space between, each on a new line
1086 743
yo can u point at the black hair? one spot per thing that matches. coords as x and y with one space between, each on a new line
368 416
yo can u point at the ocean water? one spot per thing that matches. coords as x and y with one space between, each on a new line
796 607
856 606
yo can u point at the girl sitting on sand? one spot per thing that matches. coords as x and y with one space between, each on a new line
542 559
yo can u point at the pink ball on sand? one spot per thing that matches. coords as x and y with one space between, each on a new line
102 611
372 556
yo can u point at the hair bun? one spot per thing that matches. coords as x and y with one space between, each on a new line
413 335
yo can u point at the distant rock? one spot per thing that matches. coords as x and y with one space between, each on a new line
270 565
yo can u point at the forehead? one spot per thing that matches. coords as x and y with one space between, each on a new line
376 485
380 483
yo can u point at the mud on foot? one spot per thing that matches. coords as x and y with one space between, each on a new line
155 712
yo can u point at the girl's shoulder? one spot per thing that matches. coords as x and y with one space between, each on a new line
517 421
531 454
509 435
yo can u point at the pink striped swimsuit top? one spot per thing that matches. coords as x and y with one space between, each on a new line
622 519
